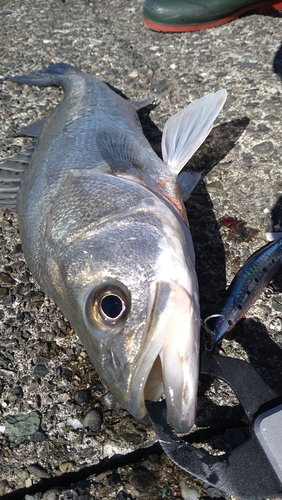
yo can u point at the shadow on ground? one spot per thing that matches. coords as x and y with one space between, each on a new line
209 250
277 62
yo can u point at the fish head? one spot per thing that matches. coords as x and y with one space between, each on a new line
132 297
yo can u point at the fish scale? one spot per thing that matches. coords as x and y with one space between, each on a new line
105 234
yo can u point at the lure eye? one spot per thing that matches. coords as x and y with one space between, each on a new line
107 305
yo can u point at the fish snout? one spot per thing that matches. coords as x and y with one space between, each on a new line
145 357
169 361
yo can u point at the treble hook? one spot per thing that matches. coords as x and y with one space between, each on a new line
209 345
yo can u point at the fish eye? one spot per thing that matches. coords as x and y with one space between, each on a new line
112 306
108 304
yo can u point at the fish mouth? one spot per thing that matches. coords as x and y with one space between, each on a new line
169 364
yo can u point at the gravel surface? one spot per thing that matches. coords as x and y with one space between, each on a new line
57 420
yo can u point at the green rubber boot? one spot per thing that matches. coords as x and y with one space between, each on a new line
190 15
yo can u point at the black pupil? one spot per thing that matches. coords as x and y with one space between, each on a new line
112 306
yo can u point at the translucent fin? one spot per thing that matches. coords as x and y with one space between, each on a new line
187 181
11 171
32 130
185 131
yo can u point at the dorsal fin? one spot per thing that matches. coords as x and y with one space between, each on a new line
31 130
186 130
142 104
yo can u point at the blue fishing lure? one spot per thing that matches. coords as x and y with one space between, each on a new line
245 288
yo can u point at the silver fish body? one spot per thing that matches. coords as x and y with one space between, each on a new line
105 235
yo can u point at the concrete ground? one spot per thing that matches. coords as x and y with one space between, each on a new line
71 423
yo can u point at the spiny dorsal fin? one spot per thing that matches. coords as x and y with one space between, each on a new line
142 104
186 130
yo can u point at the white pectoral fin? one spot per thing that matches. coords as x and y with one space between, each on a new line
187 181
186 130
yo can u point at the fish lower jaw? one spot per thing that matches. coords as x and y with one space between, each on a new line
169 362
167 377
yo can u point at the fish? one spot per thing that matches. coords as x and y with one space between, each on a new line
105 234
245 288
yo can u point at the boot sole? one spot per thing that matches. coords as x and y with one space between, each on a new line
260 7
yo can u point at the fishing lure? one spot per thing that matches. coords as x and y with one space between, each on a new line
244 289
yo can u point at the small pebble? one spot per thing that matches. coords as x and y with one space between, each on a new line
276 323
96 385
21 426
53 494
33 386
187 493
214 493
42 360
83 397
214 186
109 449
263 128
28 483
113 479
93 420
38 471
3 292
17 391
18 265
40 371
263 148
67 373
271 118
74 423
133 74
66 466
6 278
132 438
141 478
38 437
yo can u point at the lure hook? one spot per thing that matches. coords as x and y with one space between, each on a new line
209 345
270 292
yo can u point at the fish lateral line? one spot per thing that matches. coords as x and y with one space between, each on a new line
93 129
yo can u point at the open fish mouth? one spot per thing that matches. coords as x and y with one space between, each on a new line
169 364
